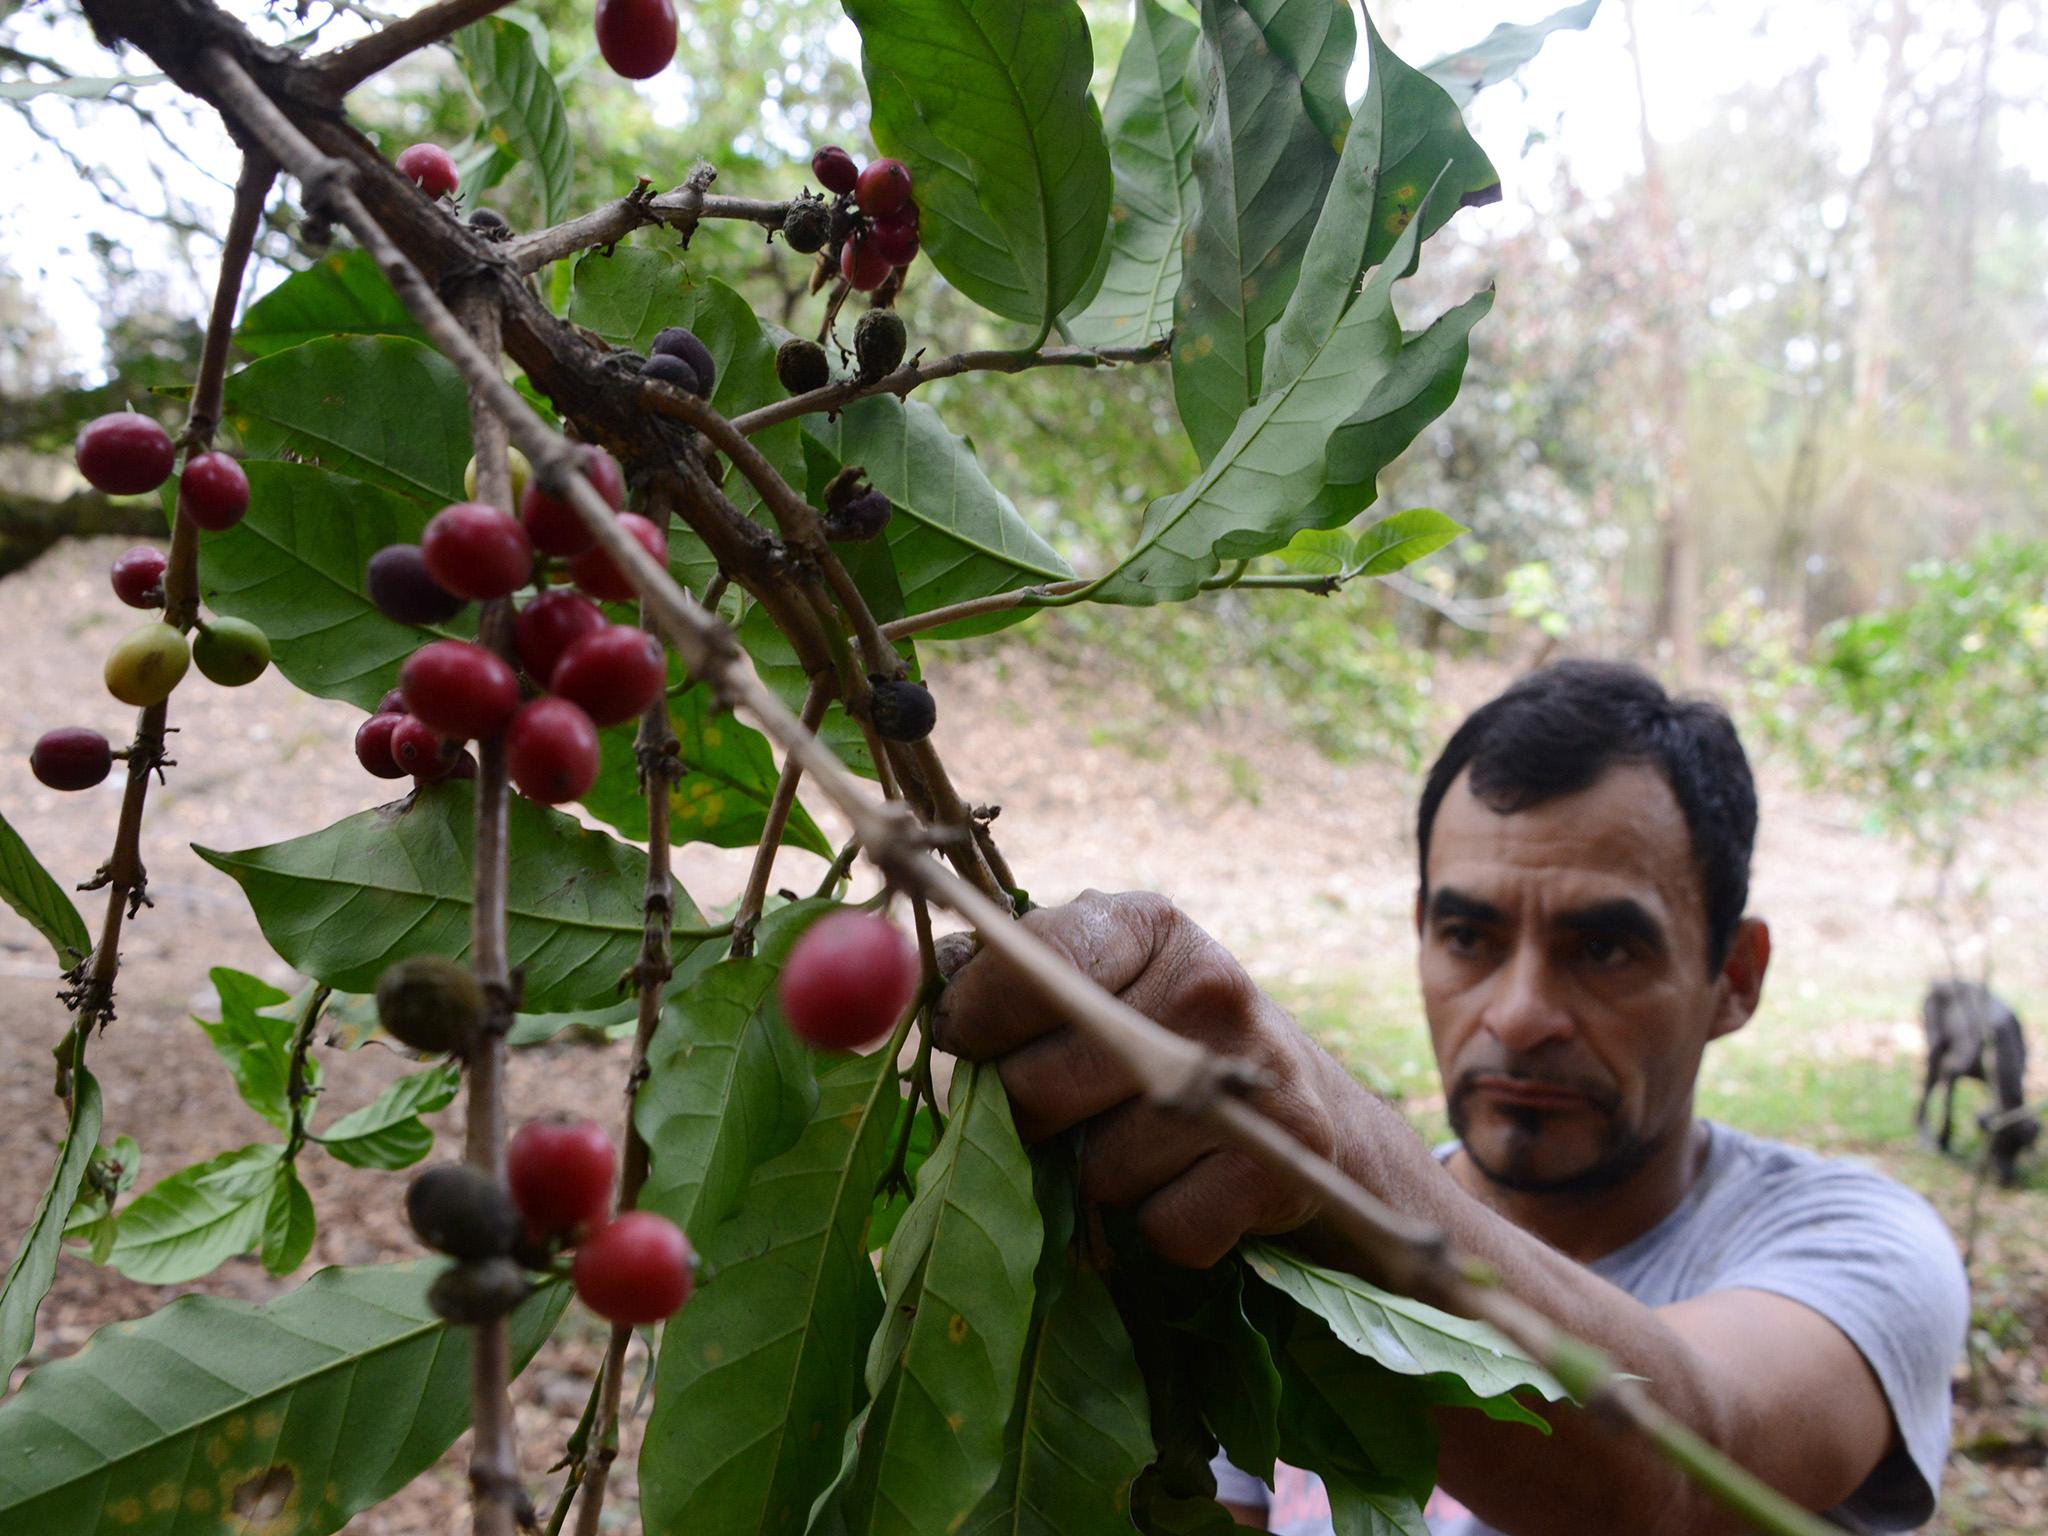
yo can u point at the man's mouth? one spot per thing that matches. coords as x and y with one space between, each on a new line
1535 1095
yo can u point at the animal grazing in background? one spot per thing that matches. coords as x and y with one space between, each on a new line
1964 1023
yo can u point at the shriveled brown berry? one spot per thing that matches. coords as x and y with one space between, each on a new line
469 1294
801 366
902 710
462 1211
879 341
807 224
429 1002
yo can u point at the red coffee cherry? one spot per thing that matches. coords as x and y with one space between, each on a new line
419 750
476 551
551 751
548 626
636 37
138 577
213 491
595 573
124 454
373 746
862 265
459 690
635 1271
431 168
895 243
553 524
70 757
398 585
884 187
560 1173
848 980
835 169
393 703
612 675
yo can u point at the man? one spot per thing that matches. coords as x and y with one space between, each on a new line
1584 848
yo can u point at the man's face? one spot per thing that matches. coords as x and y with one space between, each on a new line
1565 977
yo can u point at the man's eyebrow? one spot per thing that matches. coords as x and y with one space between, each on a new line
1623 918
1449 906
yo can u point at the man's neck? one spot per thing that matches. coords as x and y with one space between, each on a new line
1589 1226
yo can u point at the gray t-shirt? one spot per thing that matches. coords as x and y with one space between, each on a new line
1860 1249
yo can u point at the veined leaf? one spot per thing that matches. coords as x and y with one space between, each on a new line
986 101
341 294
522 106
776 660
187 1225
1402 539
388 1132
1262 164
757 1375
288 1223
342 903
727 1088
35 1262
257 1046
309 1409
385 409
1151 127
1502 51
28 888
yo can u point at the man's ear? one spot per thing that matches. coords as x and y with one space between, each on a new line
1742 976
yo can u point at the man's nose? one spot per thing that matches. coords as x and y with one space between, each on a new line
1526 1009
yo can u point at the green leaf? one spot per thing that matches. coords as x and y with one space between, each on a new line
986 101
942 1370
522 108
343 903
112 1173
34 1264
343 294
257 1046
1239 1382
728 1087
28 888
312 1408
1411 1338
1151 127
1316 42
388 1132
186 1225
1503 51
954 536
1262 164
1401 540
775 659
385 409
757 1375
288 1224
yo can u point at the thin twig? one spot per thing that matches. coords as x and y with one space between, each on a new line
681 210
346 68
298 1091
756 893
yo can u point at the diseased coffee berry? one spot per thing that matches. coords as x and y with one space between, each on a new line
634 1271
213 491
636 37
680 341
373 746
801 366
548 626
552 522
883 187
419 750
430 1003
862 517
489 224
476 551
462 1211
458 689
848 979
230 652
807 223
595 572
471 1294
902 710
147 664
551 751
431 169
879 341
862 265
560 1173
522 473
401 588
124 454
612 675
835 169
138 577
70 757
896 240
670 369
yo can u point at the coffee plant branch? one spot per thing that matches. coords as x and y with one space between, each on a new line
348 67
755 894
680 210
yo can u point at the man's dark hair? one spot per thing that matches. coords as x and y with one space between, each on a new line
1556 731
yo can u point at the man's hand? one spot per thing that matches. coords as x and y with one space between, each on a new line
1194 1197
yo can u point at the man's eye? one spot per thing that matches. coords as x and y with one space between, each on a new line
1605 953
1461 938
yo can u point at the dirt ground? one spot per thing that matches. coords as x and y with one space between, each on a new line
1312 882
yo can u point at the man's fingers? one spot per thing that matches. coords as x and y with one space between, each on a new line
1135 1150
1198 1218
1059 1080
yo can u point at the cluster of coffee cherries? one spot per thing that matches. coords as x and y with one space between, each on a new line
129 454
869 227
585 672
634 1268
